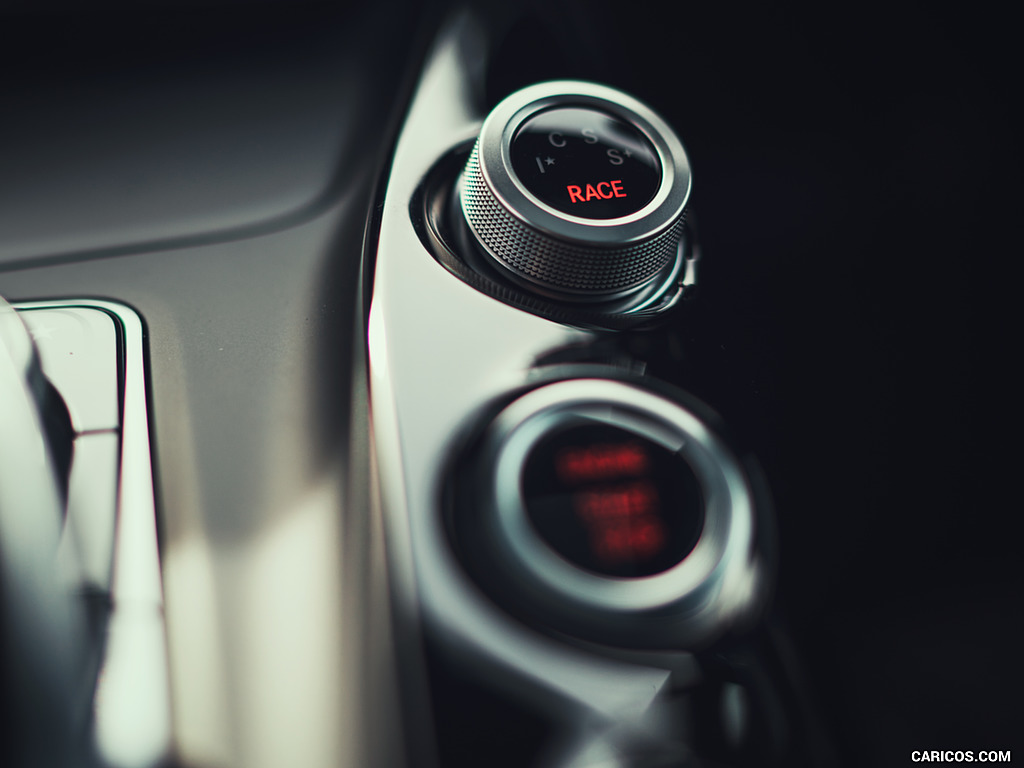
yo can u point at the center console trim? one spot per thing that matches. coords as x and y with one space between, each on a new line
131 704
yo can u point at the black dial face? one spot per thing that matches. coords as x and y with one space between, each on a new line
586 163
612 502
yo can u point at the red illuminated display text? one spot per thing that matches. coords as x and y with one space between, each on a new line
604 190
604 461
622 521
638 540
617 503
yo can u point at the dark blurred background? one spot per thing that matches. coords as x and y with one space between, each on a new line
855 181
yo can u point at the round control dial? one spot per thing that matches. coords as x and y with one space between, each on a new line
606 511
577 191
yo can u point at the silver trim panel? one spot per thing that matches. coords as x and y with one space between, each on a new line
440 353
131 705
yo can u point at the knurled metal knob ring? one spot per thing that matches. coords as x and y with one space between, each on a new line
572 257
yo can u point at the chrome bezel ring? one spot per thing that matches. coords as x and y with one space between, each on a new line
572 255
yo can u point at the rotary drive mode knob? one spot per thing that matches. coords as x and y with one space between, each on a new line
577 191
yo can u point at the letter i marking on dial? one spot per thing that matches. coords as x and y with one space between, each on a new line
547 161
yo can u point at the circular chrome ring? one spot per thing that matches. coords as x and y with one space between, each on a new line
690 601
579 257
